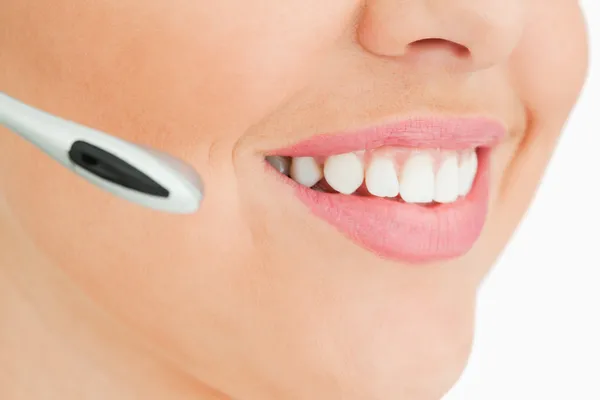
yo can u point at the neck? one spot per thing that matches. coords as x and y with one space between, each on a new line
54 336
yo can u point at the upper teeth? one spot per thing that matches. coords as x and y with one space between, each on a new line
281 164
446 180
467 172
306 171
417 176
381 177
417 181
344 173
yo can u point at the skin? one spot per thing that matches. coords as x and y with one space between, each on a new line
253 297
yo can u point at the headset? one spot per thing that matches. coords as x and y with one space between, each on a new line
131 171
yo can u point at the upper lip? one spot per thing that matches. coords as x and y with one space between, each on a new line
451 133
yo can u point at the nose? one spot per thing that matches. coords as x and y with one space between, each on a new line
464 34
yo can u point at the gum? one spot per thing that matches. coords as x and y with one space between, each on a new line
401 155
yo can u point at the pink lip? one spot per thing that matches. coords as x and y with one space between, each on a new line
446 133
401 231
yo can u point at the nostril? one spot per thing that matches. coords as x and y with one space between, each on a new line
431 45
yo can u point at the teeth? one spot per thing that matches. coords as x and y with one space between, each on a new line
344 172
419 176
381 177
446 180
417 182
306 171
281 164
467 172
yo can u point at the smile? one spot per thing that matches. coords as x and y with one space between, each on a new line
413 191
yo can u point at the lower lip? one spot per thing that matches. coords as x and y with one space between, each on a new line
406 232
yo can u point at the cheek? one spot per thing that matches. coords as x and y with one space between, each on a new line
179 80
205 72
111 246
166 81
549 68
169 278
551 62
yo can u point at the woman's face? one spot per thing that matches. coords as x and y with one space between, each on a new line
273 291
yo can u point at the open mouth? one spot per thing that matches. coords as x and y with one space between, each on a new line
414 191
426 177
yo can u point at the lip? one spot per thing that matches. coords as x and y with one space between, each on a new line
400 231
444 133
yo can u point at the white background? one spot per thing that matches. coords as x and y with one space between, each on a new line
538 330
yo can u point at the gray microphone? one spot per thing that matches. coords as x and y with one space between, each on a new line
131 171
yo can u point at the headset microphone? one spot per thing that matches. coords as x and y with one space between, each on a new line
134 172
